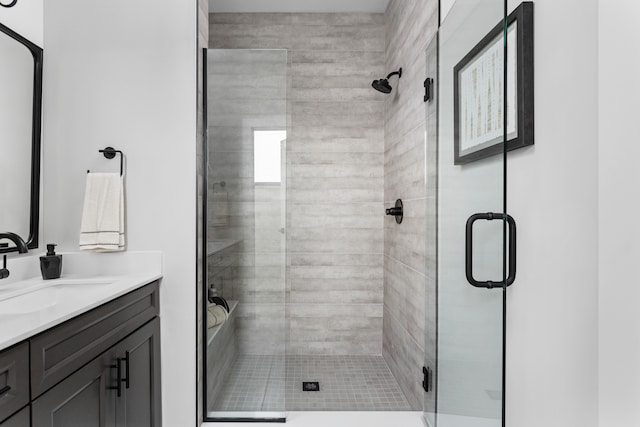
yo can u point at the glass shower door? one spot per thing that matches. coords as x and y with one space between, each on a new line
468 233
246 193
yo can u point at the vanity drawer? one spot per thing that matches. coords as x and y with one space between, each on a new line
58 352
14 379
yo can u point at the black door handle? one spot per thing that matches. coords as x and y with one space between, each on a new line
469 249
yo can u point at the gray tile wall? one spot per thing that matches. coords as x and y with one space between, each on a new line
335 151
410 24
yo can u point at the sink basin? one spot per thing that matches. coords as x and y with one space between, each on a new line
30 302
45 295
79 283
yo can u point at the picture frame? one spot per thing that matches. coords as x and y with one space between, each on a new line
478 87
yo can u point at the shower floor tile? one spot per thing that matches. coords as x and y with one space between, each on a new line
347 383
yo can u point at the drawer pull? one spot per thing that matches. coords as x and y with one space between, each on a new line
118 368
4 390
119 379
126 369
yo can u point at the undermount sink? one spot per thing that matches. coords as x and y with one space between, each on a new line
46 295
81 282
30 302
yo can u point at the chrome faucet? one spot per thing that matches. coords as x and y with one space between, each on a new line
20 247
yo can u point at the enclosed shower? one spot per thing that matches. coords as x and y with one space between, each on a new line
335 222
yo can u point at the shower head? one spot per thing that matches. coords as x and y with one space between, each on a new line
383 85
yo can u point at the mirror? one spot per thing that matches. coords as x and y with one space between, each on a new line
20 126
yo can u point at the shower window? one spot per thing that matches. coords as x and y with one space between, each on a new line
267 158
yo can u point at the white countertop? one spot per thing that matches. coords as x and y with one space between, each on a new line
30 306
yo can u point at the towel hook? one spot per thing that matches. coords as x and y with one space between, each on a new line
110 153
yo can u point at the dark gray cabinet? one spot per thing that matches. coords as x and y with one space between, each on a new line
100 369
60 351
21 419
121 388
139 403
14 379
84 399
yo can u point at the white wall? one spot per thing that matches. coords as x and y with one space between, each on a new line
619 245
552 345
123 73
445 7
25 18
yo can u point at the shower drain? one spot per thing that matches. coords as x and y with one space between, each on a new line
310 386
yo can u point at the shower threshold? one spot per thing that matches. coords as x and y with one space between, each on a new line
343 419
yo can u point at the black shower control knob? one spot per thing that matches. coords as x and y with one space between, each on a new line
396 211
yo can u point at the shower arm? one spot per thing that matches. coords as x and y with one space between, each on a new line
395 73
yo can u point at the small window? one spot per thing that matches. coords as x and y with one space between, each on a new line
267 156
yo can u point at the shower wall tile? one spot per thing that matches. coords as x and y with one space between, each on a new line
332 140
338 19
405 243
335 165
335 240
352 215
404 168
405 359
404 287
409 304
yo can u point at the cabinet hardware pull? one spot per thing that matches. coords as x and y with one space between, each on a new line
4 390
120 380
126 359
118 368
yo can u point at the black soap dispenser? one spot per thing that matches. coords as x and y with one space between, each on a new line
51 264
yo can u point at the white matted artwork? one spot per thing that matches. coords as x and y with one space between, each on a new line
479 91
481 97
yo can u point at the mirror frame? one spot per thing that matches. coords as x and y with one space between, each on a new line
36 137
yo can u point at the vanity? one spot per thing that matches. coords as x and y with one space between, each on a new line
83 350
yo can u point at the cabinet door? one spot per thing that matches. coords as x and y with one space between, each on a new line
21 419
14 379
139 405
84 399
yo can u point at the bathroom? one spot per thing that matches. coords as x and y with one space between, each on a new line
344 280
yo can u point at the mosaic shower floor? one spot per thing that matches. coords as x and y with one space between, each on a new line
347 383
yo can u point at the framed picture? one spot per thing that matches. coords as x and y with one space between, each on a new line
479 111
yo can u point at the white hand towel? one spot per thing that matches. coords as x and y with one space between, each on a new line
102 228
216 315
